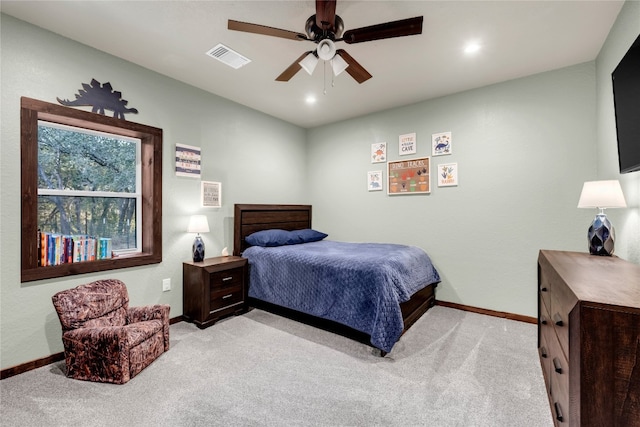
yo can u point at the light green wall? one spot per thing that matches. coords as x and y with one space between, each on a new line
523 149
257 158
626 221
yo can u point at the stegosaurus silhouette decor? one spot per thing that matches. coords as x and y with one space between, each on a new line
101 97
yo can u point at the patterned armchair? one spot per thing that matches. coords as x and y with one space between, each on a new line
105 340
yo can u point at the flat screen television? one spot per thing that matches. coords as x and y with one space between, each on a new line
626 99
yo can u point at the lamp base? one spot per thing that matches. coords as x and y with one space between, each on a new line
198 249
601 236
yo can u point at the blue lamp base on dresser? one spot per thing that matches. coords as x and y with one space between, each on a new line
601 236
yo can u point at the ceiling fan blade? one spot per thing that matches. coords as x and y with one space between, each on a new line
264 30
354 69
292 69
404 27
326 14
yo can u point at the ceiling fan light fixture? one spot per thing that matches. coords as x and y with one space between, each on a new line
326 49
309 63
338 65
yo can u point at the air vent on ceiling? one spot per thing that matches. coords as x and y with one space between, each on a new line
228 56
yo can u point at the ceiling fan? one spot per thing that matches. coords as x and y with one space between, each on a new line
325 29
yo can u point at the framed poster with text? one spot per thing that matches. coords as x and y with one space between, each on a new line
188 161
409 176
211 194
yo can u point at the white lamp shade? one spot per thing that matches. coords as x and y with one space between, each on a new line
309 63
602 194
326 49
198 224
338 65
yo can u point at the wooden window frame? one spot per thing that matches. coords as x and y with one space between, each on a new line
32 110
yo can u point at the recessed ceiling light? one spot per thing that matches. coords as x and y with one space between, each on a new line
472 47
310 99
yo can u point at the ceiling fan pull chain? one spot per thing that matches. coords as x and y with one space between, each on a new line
324 77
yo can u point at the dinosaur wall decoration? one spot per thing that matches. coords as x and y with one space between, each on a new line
100 97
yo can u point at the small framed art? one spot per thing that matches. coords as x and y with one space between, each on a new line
407 144
188 161
211 194
448 175
374 180
379 152
441 144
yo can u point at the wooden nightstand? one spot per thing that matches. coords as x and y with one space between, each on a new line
214 288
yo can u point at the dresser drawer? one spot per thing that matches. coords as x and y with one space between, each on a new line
543 352
225 297
559 376
226 279
562 302
544 290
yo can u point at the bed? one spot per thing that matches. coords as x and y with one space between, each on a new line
369 292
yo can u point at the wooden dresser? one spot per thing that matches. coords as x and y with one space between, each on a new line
589 338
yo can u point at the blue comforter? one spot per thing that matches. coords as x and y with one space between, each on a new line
360 285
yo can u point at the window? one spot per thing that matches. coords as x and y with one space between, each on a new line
90 178
88 187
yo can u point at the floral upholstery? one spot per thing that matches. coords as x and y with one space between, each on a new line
104 339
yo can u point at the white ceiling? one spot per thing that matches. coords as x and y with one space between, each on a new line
518 38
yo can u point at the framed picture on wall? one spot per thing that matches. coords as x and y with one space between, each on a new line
409 176
407 144
448 175
441 144
188 160
211 194
379 152
374 180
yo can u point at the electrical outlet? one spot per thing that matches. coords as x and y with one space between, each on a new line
166 285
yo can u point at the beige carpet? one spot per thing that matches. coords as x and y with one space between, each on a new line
452 368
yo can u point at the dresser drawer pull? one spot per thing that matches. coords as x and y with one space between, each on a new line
543 352
559 416
543 320
557 366
227 296
543 289
226 279
557 319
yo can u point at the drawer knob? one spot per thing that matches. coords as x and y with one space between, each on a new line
543 289
226 279
559 416
557 366
543 352
543 320
557 319
227 296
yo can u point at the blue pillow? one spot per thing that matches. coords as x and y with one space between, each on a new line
307 235
269 238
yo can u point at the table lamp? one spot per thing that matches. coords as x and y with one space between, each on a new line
601 195
198 224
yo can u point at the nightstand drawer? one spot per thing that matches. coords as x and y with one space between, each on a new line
225 297
226 279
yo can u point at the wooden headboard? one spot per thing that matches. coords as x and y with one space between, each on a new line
251 218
